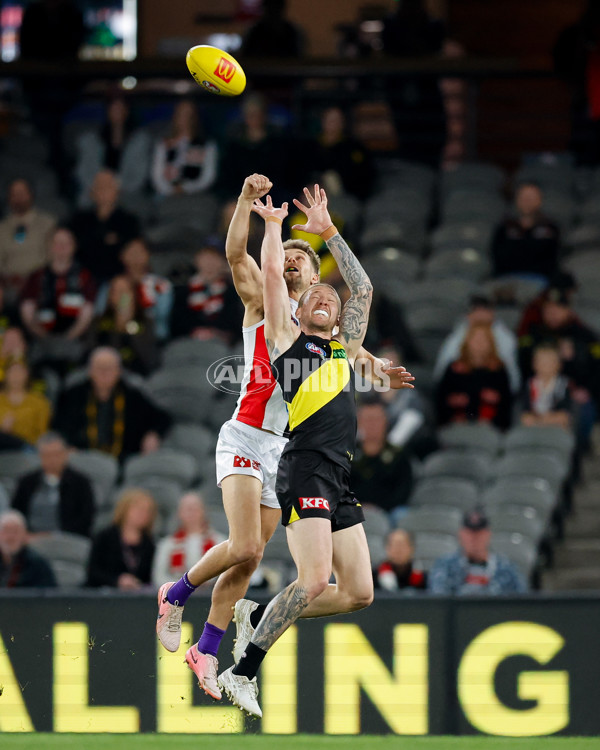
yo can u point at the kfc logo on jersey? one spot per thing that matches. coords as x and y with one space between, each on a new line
225 70
313 502
239 462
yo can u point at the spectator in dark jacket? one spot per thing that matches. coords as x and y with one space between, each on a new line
528 244
398 571
208 305
20 566
381 474
57 303
475 387
122 554
105 413
55 497
104 230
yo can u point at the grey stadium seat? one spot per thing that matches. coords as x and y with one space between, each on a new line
530 462
184 393
518 548
13 465
478 437
463 263
376 520
452 492
195 440
61 545
553 438
428 547
526 491
517 519
189 352
462 464
168 464
100 468
431 518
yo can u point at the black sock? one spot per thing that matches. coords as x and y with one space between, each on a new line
257 614
250 662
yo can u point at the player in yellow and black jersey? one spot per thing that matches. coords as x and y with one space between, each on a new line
315 371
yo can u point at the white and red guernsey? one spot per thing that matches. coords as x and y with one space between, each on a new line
261 403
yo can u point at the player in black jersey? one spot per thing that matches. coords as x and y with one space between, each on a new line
315 371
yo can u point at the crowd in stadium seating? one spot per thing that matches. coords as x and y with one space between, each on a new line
115 295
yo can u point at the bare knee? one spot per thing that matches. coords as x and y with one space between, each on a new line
359 598
315 586
244 551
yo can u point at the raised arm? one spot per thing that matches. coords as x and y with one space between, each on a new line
245 271
279 333
355 313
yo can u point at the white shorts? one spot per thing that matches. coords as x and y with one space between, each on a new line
242 449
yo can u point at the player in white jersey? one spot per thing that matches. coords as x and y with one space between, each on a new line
248 453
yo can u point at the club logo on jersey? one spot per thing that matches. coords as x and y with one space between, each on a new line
240 462
211 87
313 502
316 349
225 70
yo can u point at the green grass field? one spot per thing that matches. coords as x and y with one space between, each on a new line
289 742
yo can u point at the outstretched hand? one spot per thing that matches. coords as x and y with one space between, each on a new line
256 186
269 209
398 376
317 214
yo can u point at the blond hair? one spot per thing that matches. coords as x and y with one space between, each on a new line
129 497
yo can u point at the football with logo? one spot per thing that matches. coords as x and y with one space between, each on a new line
216 70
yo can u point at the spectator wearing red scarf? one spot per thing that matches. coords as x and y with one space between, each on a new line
178 552
398 570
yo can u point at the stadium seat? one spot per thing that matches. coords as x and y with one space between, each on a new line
458 463
487 177
376 543
60 545
458 235
391 263
519 519
69 574
453 294
186 352
195 440
448 491
478 437
429 547
4 499
534 492
464 263
100 468
431 518
553 438
167 464
534 462
376 520
13 464
184 393
518 548
277 548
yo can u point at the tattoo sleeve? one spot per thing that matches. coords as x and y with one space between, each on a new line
355 315
282 612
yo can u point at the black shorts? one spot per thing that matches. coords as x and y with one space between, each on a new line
311 486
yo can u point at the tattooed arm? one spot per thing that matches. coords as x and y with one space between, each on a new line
282 612
278 321
355 314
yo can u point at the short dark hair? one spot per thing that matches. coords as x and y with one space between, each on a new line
306 248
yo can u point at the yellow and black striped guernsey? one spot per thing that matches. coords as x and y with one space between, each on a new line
318 387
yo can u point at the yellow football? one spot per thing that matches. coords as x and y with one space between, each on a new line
216 70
